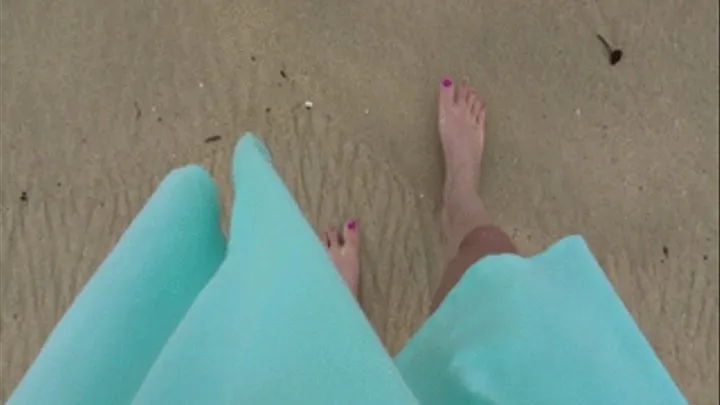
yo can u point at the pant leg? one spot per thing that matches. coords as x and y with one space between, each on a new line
480 242
543 330
107 341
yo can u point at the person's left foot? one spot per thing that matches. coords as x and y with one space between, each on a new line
343 247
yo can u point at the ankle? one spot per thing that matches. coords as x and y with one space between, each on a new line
465 211
461 214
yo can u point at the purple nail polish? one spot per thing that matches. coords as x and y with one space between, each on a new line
352 225
447 82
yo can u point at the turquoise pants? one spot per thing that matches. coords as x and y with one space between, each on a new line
178 315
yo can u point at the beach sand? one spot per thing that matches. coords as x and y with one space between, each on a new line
100 99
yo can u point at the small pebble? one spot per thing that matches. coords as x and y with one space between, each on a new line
308 104
367 112
201 85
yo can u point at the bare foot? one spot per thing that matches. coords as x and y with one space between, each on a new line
343 247
461 121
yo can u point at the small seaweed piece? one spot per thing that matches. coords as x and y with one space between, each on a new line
614 54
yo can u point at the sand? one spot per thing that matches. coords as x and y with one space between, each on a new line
100 99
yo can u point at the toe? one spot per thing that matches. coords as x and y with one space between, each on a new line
447 93
476 106
332 236
350 235
471 98
325 239
462 92
480 115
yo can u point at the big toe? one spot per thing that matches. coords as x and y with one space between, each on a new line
447 93
349 262
350 236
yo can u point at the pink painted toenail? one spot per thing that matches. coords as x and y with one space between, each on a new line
352 225
447 82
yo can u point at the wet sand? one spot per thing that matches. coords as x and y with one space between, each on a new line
100 99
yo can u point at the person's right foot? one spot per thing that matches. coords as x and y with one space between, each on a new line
461 121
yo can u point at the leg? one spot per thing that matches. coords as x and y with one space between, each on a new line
467 227
343 248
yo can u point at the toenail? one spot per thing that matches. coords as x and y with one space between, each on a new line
447 82
352 225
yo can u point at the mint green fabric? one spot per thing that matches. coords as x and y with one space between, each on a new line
276 325
542 330
171 317
102 349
